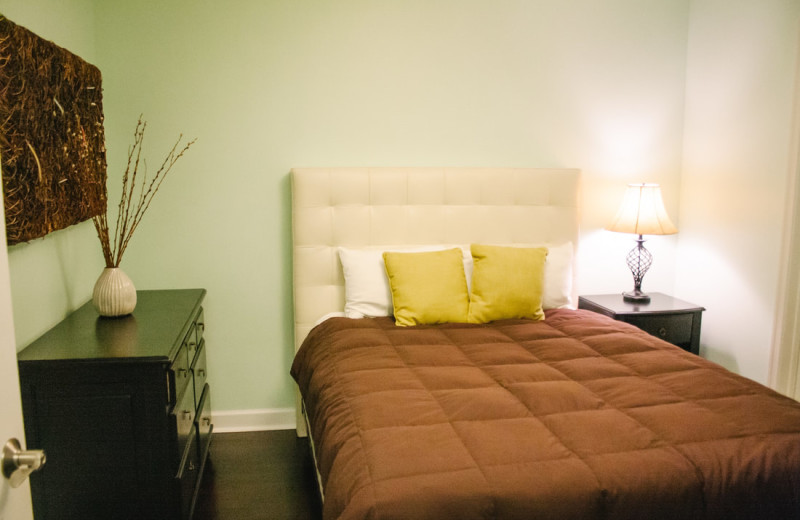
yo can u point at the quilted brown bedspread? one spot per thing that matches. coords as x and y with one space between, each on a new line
577 416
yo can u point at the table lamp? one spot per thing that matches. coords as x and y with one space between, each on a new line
642 213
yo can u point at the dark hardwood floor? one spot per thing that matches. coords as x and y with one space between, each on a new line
259 475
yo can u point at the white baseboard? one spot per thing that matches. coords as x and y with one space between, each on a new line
254 420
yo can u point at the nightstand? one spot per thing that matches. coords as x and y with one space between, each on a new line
665 317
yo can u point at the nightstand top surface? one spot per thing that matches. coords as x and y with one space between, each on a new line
659 303
151 333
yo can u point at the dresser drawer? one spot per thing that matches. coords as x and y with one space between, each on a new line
191 343
674 328
188 473
182 419
200 325
204 424
178 377
199 372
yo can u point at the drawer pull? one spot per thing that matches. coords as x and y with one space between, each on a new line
201 372
662 332
187 415
191 466
206 421
182 372
201 326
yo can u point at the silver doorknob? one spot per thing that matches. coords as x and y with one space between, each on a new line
17 463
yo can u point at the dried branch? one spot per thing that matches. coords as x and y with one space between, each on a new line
132 207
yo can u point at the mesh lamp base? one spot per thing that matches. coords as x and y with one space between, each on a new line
642 212
636 297
639 261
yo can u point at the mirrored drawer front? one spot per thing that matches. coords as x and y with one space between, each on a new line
200 372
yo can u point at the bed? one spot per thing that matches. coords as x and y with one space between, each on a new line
570 416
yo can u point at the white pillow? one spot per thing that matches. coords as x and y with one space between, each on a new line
367 292
366 286
557 292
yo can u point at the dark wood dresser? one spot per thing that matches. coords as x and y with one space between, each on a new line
122 409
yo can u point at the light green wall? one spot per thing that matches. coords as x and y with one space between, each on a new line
53 275
269 85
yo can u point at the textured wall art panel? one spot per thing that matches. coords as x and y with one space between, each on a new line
52 144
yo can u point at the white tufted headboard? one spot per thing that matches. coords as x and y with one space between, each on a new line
356 207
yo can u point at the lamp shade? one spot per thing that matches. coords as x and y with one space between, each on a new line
642 212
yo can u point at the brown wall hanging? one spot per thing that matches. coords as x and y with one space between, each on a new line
52 143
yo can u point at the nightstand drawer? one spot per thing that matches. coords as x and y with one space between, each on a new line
674 328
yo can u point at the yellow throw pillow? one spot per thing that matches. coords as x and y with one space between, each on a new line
428 287
507 283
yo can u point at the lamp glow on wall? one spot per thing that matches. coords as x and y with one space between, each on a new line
642 213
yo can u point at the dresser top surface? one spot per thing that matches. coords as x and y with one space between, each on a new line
152 333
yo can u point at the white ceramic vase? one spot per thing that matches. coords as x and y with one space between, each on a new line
114 293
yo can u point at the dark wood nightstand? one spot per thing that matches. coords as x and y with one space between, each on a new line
665 317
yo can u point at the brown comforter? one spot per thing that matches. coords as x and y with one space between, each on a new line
577 416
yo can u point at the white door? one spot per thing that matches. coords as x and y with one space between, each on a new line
15 503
